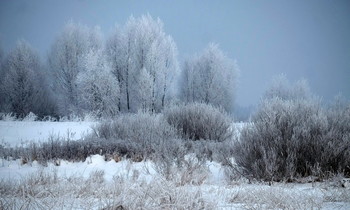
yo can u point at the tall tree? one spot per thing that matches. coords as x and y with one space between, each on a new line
210 77
24 85
1 56
98 89
145 82
65 57
142 45
119 55
2 72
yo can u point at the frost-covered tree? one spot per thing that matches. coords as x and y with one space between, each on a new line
210 77
145 82
119 55
2 72
141 45
24 85
68 50
283 89
1 57
98 89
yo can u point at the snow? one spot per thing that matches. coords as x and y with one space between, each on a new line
143 179
21 132
125 168
216 190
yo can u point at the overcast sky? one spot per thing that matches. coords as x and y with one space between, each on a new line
302 39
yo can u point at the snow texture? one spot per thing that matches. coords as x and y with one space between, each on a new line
14 133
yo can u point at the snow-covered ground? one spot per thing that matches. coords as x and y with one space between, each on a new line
99 184
18 132
90 184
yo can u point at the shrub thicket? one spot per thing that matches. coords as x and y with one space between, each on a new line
294 138
145 133
198 121
136 136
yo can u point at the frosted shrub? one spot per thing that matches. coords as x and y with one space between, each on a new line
7 116
71 118
30 117
292 138
46 190
136 136
49 119
142 131
199 121
90 117
337 138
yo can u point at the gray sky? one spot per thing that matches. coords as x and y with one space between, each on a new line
302 39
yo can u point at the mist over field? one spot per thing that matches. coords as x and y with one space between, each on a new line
174 104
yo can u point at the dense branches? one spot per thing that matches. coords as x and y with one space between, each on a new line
210 78
98 90
68 50
134 70
24 87
292 136
142 54
198 121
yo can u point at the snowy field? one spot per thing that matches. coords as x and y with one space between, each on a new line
20 132
99 184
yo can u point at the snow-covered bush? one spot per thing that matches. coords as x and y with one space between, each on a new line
134 136
30 117
285 140
70 118
293 138
199 121
337 138
146 132
49 119
7 116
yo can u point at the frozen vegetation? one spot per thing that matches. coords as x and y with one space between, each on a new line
118 125
140 161
111 183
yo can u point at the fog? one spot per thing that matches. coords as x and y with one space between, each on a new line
301 39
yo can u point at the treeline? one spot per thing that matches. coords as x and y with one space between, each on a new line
136 68
292 135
